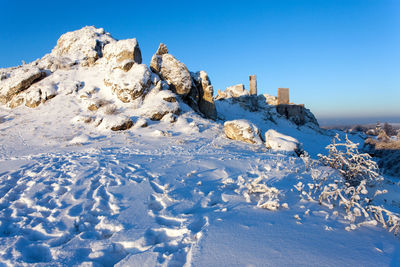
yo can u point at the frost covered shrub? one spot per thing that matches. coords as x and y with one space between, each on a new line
351 164
353 202
356 201
111 110
256 190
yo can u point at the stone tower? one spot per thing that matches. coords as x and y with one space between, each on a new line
253 84
283 96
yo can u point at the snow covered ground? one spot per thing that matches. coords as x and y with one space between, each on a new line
161 195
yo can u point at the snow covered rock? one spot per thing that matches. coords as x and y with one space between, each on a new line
171 70
280 142
242 130
206 91
35 95
233 91
16 80
123 51
115 123
83 46
53 63
131 84
159 103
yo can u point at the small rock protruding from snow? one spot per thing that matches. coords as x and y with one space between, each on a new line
171 70
115 123
242 130
16 80
280 142
124 50
129 85
84 46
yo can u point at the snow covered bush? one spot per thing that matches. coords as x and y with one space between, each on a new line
352 203
256 190
388 219
350 193
351 164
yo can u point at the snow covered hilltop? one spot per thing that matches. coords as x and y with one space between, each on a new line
105 74
105 161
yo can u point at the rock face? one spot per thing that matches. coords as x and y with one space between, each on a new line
171 70
131 84
16 80
124 50
280 142
205 90
242 130
84 46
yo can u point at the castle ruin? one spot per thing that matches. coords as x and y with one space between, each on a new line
293 112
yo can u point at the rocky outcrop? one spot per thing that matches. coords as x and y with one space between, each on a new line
83 46
233 91
242 130
123 51
171 70
16 80
131 84
269 99
205 90
34 96
280 142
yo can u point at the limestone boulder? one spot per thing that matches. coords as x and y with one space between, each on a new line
83 46
205 89
283 143
15 80
129 85
123 53
242 130
171 70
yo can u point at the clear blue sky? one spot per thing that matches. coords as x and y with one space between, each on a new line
339 57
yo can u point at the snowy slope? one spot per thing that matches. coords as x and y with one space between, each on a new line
134 198
175 193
